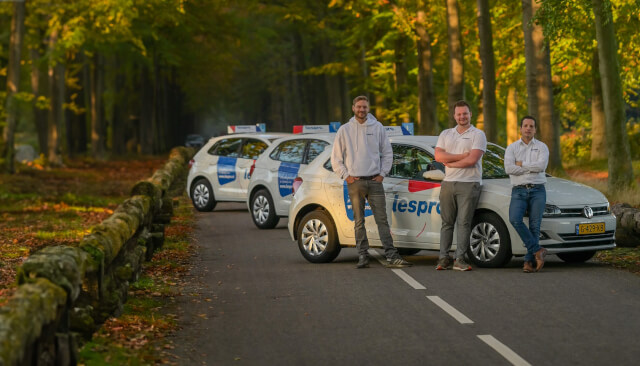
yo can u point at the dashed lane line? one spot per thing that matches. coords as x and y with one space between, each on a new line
461 318
503 350
400 273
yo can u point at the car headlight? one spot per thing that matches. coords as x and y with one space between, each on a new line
551 211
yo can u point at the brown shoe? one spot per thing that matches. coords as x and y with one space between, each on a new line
528 267
540 254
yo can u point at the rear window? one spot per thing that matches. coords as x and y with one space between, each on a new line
226 147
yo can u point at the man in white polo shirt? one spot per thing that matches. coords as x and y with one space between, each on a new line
525 161
460 149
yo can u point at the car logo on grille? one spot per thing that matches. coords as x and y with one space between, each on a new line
587 212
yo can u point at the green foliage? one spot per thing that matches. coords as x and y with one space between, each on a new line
576 145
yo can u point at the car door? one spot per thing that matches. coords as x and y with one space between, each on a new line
412 201
223 168
250 151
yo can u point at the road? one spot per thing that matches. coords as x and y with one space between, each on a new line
256 301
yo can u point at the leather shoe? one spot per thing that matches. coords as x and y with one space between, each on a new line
528 267
363 261
540 254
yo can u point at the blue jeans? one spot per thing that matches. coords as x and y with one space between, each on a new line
374 193
532 200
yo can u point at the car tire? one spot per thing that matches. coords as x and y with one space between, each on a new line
408 251
263 212
202 195
318 238
576 257
490 242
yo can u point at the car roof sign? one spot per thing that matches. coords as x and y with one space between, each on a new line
258 127
331 127
405 129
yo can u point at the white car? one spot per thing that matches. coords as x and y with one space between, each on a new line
270 187
577 221
220 170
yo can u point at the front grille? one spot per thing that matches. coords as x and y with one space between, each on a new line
589 237
577 211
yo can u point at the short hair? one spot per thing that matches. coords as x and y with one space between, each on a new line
359 98
535 123
461 103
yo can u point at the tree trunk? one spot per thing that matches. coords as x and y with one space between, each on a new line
488 71
97 121
13 83
456 58
427 122
598 120
332 82
512 115
118 109
530 58
37 86
620 169
56 112
547 118
147 111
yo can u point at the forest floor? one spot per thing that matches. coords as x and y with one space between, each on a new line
44 207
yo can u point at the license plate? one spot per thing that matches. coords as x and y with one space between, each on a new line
586 229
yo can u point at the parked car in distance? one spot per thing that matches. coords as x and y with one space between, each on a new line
194 140
577 220
270 187
220 170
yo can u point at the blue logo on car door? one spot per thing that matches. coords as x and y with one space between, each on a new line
349 207
226 169
286 174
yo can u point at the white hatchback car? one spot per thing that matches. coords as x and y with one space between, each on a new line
577 221
270 187
220 170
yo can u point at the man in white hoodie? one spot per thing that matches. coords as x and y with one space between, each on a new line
362 156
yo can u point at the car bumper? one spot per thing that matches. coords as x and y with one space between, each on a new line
559 235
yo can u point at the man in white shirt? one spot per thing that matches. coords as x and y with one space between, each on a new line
525 161
362 156
460 149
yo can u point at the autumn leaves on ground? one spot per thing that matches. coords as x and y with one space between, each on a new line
41 208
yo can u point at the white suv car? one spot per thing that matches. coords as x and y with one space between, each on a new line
273 174
577 221
220 170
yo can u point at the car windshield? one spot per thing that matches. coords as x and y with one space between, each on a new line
493 163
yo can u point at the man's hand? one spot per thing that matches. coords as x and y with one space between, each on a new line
350 179
378 178
519 163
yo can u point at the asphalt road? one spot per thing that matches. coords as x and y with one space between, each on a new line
256 301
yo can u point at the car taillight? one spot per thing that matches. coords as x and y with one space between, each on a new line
253 167
296 184
191 162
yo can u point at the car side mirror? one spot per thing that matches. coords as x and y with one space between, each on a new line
433 175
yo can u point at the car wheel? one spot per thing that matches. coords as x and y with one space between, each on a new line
490 241
576 257
408 251
263 212
318 238
202 195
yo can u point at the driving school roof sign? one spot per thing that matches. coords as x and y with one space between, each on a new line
258 127
331 127
405 129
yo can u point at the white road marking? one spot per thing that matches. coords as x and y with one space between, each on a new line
402 274
461 318
503 350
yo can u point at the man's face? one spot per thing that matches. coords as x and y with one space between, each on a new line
361 109
462 115
528 129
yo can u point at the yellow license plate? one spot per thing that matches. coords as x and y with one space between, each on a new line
586 229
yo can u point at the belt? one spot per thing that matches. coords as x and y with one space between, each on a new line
529 186
368 177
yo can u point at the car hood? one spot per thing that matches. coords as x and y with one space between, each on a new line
560 192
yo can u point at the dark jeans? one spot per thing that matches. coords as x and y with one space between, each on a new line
458 201
374 193
532 200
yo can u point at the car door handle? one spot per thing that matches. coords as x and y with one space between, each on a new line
273 170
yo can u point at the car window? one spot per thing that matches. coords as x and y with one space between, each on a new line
493 163
252 148
316 147
227 147
291 151
409 162
328 166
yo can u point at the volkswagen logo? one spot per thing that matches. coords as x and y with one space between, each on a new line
587 212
